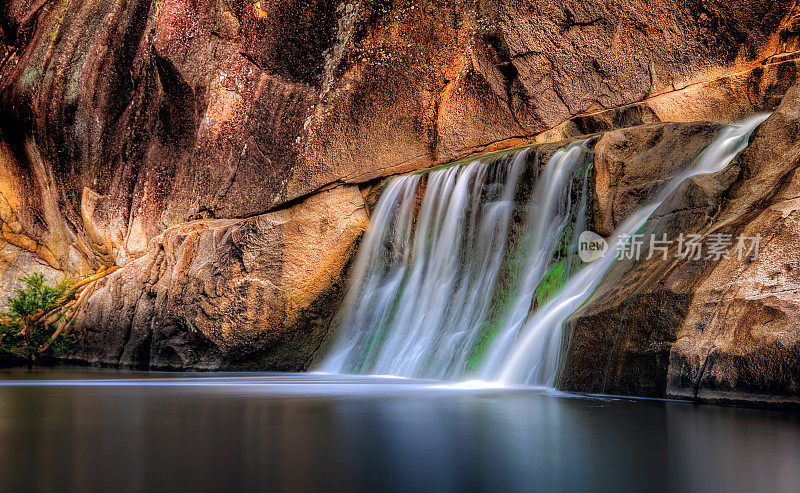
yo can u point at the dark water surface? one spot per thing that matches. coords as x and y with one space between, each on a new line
118 432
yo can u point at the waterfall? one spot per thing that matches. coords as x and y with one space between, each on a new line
435 281
533 359
550 211
471 270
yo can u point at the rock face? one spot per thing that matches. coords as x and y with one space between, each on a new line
741 336
633 164
709 328
214 149
252 293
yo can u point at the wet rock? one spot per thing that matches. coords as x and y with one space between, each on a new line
632 165
619 341
740 337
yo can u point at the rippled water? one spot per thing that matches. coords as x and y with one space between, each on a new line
117 431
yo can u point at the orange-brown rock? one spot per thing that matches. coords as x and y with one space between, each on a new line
632 164
173 110
229 293
709 329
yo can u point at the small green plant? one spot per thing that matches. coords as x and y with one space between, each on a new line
188 324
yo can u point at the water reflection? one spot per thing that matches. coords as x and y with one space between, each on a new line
326 433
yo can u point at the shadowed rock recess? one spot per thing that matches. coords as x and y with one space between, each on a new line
222 153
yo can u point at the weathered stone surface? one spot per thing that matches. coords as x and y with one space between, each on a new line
519 68
172 110
740 338
722 100
250 293
706 329
631 165
619 341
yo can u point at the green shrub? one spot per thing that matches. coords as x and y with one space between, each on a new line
37 295
23 337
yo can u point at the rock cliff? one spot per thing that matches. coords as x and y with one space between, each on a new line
218 151
705 328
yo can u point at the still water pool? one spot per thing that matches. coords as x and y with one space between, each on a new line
80 430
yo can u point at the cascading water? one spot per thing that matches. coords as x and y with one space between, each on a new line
534 356
549 219
462 271
432 282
